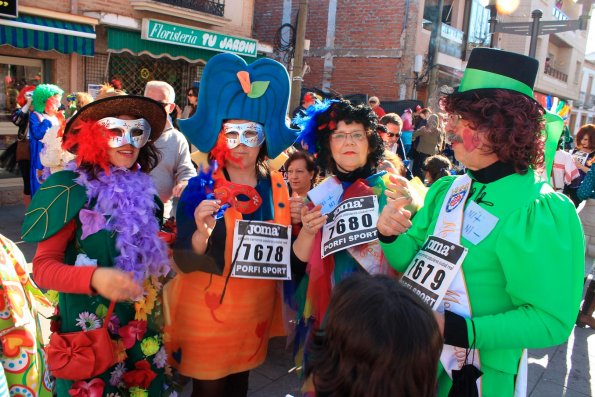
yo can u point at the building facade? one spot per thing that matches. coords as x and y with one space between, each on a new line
355 46
583 109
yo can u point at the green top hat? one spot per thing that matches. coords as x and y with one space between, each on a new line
490 69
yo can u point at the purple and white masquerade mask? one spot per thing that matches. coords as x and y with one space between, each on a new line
250 134
123 132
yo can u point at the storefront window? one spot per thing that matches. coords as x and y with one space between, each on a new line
15 74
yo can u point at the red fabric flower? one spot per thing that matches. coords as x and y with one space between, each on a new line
133 331
141 377
93 388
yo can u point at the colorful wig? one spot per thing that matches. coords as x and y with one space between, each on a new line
42 93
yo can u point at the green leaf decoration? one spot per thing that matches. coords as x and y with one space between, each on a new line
56 202
101 311
258 89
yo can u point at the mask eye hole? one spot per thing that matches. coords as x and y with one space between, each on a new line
251 134
232 135
117 132
136 132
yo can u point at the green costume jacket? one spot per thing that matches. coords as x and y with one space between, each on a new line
59 201
524 279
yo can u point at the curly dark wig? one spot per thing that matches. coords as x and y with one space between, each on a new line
343 110
512 124
379 340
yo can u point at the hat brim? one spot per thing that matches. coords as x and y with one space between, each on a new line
135 106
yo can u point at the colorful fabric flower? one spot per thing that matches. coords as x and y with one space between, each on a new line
119 350
160 359
133 331
147 303
88 321
138 392
114 325
141 377
93 388
116 375
91 222
149 346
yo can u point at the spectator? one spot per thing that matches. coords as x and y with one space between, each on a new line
308 100
46 125
408 129
564 170
430 139
378 339
175 167
523 241
374 103
435 167
190 108
584 155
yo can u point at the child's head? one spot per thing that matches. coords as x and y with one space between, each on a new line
436 167
379 340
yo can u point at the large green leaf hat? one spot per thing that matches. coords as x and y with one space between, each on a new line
232 89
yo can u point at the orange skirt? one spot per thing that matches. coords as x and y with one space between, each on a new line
209 340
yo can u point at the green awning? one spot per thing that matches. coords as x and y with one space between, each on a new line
128 41
48 34
119 40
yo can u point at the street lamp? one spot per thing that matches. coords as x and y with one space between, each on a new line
538 27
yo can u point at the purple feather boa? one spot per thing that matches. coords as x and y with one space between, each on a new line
127 197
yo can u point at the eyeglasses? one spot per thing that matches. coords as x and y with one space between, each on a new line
392 135
453 119
341 137
190 94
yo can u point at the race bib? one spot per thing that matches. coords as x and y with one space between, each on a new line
352 223
433 269
262 250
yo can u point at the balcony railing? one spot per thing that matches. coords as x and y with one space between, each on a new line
214 7
559 15
550 71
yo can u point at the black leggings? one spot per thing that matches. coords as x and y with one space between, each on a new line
234 385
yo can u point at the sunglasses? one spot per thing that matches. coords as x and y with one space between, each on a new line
190 94
392 135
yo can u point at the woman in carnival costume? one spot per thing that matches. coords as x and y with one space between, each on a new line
343 241
233 245
97 224
23 371
46 126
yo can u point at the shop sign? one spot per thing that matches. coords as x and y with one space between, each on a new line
188 36
9 8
